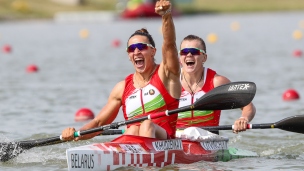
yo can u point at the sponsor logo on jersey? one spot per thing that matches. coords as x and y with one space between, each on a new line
132 97
151 92
183 99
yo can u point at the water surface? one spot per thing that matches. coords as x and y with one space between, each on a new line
76 73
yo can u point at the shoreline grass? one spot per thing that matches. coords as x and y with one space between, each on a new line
241 6
46 9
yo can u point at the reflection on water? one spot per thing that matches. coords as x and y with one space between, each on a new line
77 72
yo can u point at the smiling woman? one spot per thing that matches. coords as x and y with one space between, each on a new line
153 88
196 81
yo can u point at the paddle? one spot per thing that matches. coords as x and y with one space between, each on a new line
228 96
291 124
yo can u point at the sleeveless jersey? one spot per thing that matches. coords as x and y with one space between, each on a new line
197 117
152 98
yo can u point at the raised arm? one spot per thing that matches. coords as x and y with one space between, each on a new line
169 68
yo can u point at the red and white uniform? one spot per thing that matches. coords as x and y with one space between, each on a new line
149 99
197 117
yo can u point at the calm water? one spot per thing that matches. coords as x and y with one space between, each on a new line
76 73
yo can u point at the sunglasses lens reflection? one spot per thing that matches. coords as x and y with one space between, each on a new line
193 51
139 46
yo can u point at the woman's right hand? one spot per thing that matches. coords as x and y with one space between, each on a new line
162 7
68 134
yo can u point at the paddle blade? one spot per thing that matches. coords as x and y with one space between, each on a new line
13 149
292 124
228 96
9 151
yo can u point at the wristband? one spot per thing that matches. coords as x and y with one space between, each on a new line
168 11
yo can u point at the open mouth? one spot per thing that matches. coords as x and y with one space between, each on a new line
139 61
190 63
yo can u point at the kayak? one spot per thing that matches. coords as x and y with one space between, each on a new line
137 151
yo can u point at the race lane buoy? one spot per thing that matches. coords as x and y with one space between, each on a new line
31 68
297 34
84 33
235 26
290 94
301 24
84 114
116 43
297 53
7 49
212 38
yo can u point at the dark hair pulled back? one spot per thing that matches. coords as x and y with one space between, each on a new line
144 32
